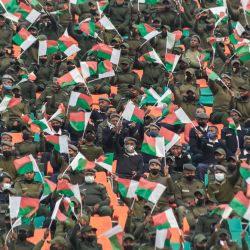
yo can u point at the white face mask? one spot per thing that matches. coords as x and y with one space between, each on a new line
6 186
89 179
130 148
219 177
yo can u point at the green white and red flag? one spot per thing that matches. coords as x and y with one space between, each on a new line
171 61
27 12
60 111
166 98
133 113
204 57
47 47
81 163
77 1
170 138
68 45
172 38
165 219
106 23
246 6
9 102
241 205
223 210
48 188
212 75
178 117
23 206
106 52
231 124
105 161
237 32
60 143
149 94
43 125
153 146
242 50
88 68
105 69
245 172
56 209
149 190
102 5
9 5
212 42
150 56
26 119
33 2
162 239
25 165
115 236
150 2
65 188
24 39
146 31
80 100
71 78
127 187
220 13
88 28
79 120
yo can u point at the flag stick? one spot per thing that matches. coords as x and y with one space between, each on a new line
153 208
247 226
65 170
133 203
245 17
21 54
67 111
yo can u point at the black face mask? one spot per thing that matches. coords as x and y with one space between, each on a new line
200 202
200 248
43 60
7 154
128 247
231 167
17 95
189 177
154 171
202 124
22 236
69 68
247 147
26 137
56 128
91 238
8 226
190 98
53 248
89 138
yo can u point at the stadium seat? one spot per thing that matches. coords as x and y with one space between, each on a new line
120 214
16 137
38 233
102 224
49 169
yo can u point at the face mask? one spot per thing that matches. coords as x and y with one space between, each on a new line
7 87
43 60
219 177
199 202
231 167
202 124
128 247
154 171
211 135
53 248
6 186
17 95
69 68
89 179
247 147
201 248
22 236
189 177
188 78
56 128
89 138
129 148
91 238
7 154
190 98
153 133
26 137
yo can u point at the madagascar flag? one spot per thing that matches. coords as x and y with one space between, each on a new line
65 188
48 188
127 187
24 39
245 172
153 146
170 138
106 161
80 100
88 28
133 113
81 163
165 219
25 165
79 120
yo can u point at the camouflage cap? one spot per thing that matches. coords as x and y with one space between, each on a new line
199 238
59 240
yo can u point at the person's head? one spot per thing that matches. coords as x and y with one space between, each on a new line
170 161
235 64
219 155
48 6
2 20
23 233
111 110
226 79
73 150
16 91
157 23
128 242
46 20
6 137
124 48
7 149
202 119
236 115
92 6
29 176
200 109
88 233
189 171
189 74
56 123
125 65
153 130
63 178
58 243
89 176
231 163
7 82
104 104
200 242
154 167
195 42
130 144
176 150
212 133
55 86
119 2
247 143
190 95
43 59
26 135
114 119
134 91
5 181
33 31
223 235
220 173
164 30
244 91
90 137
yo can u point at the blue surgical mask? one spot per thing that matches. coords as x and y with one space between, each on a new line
153 133
7 87
211 135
